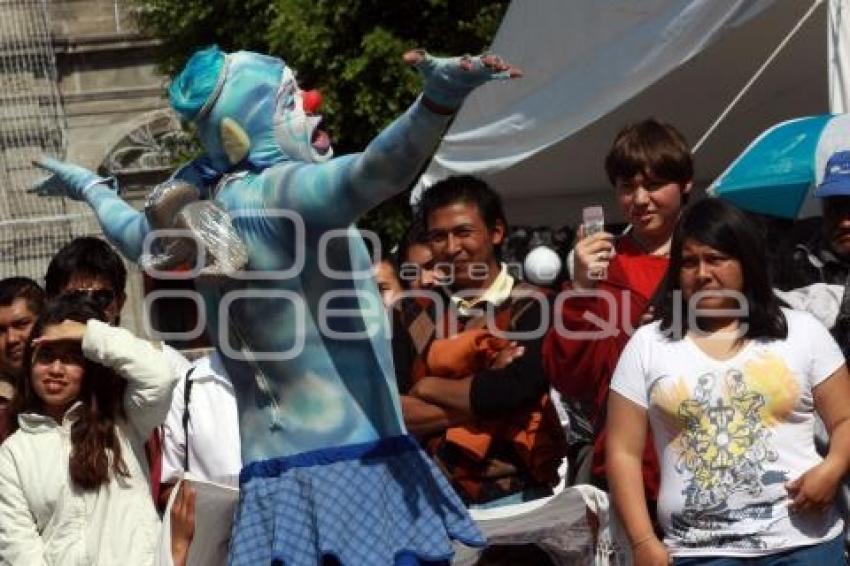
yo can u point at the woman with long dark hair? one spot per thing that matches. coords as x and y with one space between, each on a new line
73 477
729 382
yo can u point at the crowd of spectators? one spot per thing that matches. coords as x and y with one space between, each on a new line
721 432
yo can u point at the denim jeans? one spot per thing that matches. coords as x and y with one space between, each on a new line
829 553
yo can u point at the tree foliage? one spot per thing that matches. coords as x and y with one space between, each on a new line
349 49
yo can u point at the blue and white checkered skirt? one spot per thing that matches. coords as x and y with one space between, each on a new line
369 504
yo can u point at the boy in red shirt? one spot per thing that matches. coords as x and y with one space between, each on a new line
614 278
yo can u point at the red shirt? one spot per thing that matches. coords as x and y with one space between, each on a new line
581 368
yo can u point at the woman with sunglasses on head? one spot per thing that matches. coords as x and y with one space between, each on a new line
729 382
73 479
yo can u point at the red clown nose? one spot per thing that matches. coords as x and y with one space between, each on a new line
312 100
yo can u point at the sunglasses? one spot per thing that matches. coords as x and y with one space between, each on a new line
102 298
68 352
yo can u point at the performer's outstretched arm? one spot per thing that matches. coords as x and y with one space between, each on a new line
336 193
397 155
123 225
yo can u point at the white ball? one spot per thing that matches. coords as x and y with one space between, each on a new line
542 266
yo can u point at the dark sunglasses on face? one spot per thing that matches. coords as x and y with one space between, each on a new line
102 298
68 352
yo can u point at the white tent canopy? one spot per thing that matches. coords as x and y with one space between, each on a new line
592 66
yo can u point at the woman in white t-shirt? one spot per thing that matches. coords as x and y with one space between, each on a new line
729 382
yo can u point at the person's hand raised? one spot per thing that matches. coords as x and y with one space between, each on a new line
592 255
449 80
67 330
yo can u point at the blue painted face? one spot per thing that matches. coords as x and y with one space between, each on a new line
260 98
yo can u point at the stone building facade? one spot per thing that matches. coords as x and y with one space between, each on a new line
77 81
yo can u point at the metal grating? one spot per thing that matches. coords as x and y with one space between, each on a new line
32 123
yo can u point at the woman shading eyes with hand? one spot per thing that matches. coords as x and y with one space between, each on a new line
74 485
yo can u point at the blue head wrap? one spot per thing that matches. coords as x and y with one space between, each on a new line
196 82
256 94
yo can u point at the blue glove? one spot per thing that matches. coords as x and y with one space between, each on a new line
449 80
66 180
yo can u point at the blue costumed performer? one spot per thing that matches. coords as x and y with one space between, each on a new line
330 474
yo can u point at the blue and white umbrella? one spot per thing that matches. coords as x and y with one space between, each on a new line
776 174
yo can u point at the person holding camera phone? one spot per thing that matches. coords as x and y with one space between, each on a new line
651 169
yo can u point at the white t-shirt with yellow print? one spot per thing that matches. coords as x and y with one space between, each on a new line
729 434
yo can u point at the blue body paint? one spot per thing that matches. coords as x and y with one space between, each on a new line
340 387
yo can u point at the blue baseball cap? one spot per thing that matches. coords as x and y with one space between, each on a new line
836 178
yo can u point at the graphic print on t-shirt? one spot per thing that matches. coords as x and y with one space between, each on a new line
723 438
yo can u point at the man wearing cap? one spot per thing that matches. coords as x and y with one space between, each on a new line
826 257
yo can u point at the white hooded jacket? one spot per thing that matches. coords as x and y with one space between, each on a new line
44 518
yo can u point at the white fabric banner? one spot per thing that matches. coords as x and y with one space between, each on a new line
839 56
601 53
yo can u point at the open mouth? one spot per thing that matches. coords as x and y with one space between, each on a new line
320 141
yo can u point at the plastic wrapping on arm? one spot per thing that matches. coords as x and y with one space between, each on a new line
165 201
191 231
168 250
209 222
